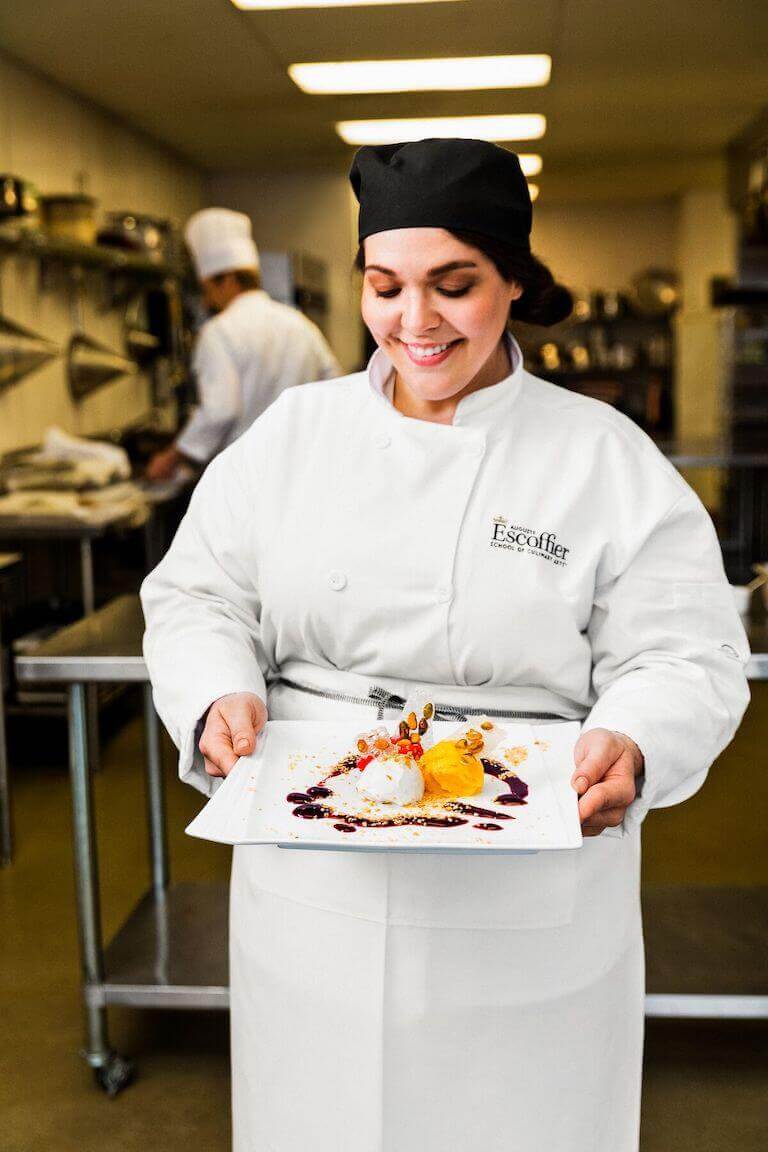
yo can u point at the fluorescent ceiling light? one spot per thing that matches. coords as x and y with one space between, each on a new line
534 192
265 5
472 127
530 163
461 74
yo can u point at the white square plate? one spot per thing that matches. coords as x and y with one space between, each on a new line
251 805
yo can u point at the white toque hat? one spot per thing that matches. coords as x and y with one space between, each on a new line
220 241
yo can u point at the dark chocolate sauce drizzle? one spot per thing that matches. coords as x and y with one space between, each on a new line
518 789
307 807
471 810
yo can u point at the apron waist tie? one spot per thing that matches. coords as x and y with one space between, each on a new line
381 699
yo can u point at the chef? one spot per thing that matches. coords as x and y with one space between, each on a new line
445 518
250 349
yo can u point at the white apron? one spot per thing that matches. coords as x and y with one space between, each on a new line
539 555
390 1003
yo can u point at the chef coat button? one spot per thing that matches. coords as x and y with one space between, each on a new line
337 581
382 440
444 593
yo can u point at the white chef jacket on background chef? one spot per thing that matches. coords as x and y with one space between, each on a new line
243 359
537 555
251 351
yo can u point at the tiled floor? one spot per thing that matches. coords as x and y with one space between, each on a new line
705 1086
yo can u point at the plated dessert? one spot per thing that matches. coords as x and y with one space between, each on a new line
403 778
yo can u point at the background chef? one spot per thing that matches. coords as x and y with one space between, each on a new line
386 1002
249 351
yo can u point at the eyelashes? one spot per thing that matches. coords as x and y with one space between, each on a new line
452 293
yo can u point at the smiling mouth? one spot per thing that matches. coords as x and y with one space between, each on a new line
430 353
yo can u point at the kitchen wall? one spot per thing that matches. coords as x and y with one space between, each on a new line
603 245
62 144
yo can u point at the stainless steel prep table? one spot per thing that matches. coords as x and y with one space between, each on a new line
9 566
159 497
709 943
171 952
24 528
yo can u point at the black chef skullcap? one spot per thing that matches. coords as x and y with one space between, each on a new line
460 185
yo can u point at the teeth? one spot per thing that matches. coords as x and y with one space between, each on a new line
426 353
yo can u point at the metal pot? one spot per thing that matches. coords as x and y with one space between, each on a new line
17 197
140 233
655 292
69 217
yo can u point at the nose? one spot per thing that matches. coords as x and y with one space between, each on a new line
419 315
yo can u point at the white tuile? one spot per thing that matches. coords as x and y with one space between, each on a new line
416 701
492 737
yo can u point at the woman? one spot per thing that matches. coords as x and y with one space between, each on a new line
447 519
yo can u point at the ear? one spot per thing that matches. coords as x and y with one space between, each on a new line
516 291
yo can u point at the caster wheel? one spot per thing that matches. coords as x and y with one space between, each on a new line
114 1075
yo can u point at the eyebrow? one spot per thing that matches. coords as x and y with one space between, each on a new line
433 273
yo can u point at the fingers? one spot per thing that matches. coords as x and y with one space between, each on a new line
230 731
237 712
609 818
604 778
616 791
216 747
593 755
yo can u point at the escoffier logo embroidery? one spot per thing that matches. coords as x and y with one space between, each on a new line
517 538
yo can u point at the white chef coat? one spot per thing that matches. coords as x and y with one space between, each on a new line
244 358
537 555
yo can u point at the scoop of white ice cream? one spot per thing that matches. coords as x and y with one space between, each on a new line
391 780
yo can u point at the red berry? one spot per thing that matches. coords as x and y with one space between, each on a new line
364 761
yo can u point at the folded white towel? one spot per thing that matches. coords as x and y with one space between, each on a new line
61 445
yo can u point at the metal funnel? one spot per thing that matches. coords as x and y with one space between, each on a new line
91 365
21 352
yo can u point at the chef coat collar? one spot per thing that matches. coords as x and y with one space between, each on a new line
477 405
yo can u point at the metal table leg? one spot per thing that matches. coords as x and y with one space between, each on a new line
89 607
111 1071
158 844
746 517
6 832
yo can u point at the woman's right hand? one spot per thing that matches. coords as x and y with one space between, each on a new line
231 727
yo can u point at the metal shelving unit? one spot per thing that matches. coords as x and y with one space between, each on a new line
31 242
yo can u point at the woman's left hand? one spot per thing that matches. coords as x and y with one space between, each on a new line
606 766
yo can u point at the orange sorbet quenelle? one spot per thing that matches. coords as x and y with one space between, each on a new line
449 770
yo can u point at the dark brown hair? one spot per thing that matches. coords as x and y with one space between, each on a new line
247 278
543 301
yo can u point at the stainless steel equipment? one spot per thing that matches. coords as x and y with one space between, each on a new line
9 565
69 217
171 952
655 292
139 232
21 351
18 198
91 365
297 279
